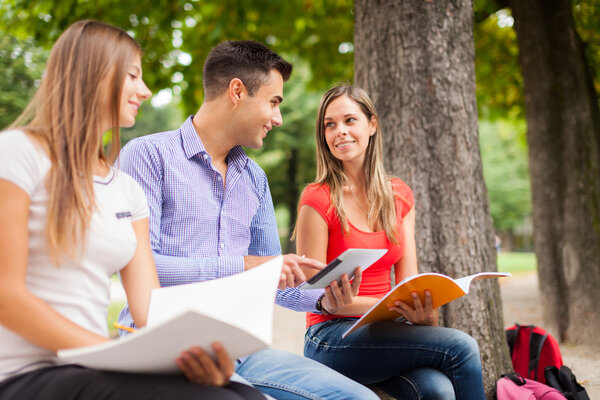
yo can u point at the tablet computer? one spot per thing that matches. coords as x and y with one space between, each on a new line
345 263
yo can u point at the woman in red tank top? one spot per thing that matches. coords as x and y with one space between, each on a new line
355 204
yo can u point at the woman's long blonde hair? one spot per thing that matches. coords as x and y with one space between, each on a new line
85 73
330 170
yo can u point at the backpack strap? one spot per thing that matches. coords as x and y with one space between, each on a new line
536 342
511 337
515 377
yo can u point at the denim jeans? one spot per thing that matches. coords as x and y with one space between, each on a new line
405 361
284 376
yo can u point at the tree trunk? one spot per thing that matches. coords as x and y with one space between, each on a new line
563 133
416 60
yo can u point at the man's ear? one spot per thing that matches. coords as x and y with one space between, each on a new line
237 90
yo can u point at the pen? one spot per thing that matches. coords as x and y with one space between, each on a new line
124 328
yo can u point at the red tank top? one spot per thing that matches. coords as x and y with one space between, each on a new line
376 280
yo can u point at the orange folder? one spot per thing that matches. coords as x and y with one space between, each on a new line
443 290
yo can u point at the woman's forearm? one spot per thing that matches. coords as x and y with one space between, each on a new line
359 306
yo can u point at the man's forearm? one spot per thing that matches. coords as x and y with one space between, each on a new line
299 300
254 261
174 270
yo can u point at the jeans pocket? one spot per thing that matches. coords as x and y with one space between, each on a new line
317 332
325 332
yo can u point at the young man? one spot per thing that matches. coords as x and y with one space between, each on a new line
211 212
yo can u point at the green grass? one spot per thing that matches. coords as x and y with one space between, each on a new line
515 262
113 316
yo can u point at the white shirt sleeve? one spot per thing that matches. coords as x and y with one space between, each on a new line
136 197
22 161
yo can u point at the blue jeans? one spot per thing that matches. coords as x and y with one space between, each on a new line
284 375
405 361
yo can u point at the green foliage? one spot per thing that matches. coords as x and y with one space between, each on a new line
497 72
291 27
505 170
484 8
153 119
586 14
502 125
177 35
150 120
21 63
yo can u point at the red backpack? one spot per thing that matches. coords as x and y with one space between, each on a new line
532 349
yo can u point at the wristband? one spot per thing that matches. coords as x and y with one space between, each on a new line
319 305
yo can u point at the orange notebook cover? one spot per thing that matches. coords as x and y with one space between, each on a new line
443 290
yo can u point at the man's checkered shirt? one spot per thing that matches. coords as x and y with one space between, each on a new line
199 228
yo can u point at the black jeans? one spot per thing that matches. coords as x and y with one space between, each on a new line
70 382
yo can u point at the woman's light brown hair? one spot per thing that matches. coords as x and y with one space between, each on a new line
68 115
330 170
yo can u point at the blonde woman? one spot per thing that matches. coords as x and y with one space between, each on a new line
355 204
70 221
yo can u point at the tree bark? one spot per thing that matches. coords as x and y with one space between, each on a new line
416 60
563 133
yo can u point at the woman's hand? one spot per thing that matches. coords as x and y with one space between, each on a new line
338 296
418 314
199 367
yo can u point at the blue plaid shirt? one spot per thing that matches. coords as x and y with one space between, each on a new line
199 228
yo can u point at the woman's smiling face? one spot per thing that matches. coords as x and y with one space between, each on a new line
347 130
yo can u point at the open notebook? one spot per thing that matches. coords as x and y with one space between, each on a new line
443 290
236 310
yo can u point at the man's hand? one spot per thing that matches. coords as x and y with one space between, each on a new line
295 268
338 296
294 271
199 367
419 314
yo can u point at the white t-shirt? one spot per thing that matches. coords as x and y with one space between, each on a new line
79 291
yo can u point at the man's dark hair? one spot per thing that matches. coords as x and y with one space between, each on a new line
247 60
